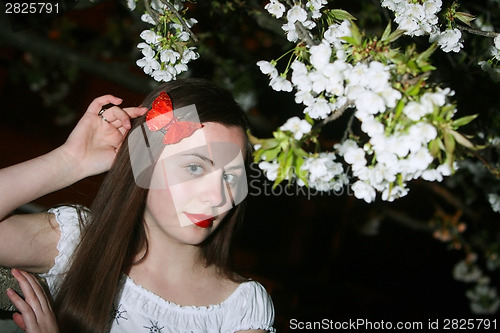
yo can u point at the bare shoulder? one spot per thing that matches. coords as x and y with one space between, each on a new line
29 241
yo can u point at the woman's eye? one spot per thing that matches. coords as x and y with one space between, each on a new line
195 169
229 178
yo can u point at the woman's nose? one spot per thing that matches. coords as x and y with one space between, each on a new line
213 190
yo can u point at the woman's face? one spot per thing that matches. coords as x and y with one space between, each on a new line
195 183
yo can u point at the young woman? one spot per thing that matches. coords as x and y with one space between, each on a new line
152 253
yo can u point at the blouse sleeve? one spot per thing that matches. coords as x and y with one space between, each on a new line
255 311
69 224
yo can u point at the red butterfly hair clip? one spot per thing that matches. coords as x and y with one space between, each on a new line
161 118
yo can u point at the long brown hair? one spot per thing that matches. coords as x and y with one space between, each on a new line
114 234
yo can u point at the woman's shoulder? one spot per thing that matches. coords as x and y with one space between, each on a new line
70 217
251 307
252 291
70 212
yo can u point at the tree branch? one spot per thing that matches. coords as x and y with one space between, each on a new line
304 34
334 116
478 32
452 199
154 15
404 219
181 19
301 30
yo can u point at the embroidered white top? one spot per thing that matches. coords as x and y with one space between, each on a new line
139 310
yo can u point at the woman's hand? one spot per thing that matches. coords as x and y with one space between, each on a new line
36 315
93 144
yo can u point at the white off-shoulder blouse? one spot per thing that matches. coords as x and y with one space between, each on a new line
137 309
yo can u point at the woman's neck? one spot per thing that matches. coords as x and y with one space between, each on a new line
170 260
179 277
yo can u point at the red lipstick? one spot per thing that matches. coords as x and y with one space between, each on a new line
201 220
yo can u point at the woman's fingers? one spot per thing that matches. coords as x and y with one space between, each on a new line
30 294
119 117
28 315
40 297
36 313
96 105
18 319
135 112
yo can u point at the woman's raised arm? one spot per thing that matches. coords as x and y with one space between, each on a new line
29 241
89 150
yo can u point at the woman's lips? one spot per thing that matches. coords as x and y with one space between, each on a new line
201 220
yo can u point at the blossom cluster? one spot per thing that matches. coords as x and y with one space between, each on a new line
491 66
165 49
324 173
327 81
483 297
386 162
418 18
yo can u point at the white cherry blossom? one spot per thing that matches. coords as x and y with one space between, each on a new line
275 8
320 55
297 126
279 83
449 40
415 111
270 169
150 37
291 33
364 191
296 14
320 109
267 68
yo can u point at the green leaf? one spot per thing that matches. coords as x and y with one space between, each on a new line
462 140
394 36
448 111
413 66
285 161
424 56
464 120
309 119
342 15
280 135
265 143
465 17
386 33
356 35
427 68
301 174
350 40
271 154
299 152
415 89
288 163
257 155
434 147
449 143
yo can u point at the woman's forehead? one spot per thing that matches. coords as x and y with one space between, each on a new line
213 138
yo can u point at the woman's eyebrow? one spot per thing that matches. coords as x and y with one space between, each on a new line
200 156
233 167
